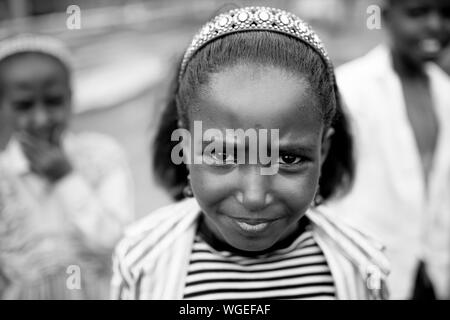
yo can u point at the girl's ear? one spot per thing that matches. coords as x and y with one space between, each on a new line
326 143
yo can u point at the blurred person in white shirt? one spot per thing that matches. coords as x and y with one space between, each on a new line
445 61
66 196
5 126
399 100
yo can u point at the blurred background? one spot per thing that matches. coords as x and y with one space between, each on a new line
126 51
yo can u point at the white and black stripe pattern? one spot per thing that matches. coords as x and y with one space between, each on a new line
299 271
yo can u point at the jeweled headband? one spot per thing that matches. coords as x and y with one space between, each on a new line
256 19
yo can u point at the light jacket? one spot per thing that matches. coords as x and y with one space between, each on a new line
151 261
389 199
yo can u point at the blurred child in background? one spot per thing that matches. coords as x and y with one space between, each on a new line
399 100
66 196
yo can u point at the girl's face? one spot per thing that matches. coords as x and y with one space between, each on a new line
244 208
37 93
420 29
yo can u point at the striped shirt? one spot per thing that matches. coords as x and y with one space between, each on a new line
298 271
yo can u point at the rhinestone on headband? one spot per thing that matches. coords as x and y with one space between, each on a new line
256 19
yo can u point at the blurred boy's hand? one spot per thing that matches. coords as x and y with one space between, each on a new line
46 158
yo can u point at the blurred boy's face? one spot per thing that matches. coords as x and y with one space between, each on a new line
419 29
37 93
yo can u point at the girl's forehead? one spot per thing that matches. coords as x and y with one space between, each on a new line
257 96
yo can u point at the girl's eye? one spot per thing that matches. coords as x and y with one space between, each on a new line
289 159
23 105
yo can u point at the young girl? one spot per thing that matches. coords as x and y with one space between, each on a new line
245 234
65 196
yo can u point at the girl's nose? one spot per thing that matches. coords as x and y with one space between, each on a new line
255 193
